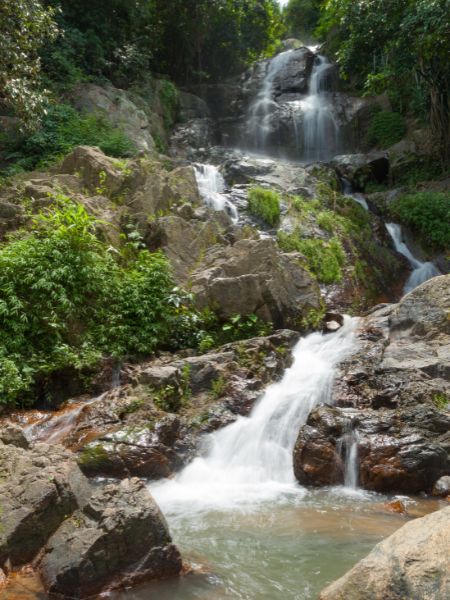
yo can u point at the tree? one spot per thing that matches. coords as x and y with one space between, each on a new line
26 26
398 46
301 17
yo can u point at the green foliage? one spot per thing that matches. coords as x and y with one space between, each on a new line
398 47
26 26
240 328
218 387
264 204
313 318
441 401
325 259
386 129
65 302
168 399
169 97
62 129
428 213
301 17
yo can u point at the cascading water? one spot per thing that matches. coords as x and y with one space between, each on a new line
349 453
261 109
211 186
349 193
250 461
422 271
320 128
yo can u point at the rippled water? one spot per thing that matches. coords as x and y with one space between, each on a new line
285 552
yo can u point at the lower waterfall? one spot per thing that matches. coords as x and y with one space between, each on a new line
250 461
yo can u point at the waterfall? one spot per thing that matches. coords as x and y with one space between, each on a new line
422 271
250 461
320 129
349 193
211 186
348 448
261 109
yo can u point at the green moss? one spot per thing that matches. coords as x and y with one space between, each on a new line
264 204
93 457
325 258
169 98
218 387
441 401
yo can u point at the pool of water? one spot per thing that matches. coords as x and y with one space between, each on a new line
287 551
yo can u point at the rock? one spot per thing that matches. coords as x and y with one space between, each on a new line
159 377
191 138
95 168
294 76
332 322
118 108
254 277
412 563
442 486
12 216
13 435
393 391
192 107
359 169
396 506
118 539
39 488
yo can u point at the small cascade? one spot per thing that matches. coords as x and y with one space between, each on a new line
211 186
261 109
349 449
320 129
347 190
250 461
422 271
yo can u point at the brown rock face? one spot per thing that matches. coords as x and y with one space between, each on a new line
413 564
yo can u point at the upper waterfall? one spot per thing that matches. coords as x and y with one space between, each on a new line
292 113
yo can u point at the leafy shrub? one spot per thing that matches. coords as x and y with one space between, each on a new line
325 258
169 98
61 130
428 213
386 129
264 204
65 302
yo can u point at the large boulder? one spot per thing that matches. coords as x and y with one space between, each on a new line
254 277
118 539
359 169
39 489
413 564
118 108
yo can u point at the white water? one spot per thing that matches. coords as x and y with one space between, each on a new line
349 452
349 193
211 186
250 461
262 107
320 129
422 271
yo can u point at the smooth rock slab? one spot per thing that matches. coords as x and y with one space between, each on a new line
411 564
120 538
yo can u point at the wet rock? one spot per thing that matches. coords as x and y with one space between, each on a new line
362 168
294 76
442 486
118 539
412 563
396 506
192 107
332 322
39 488
190 139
